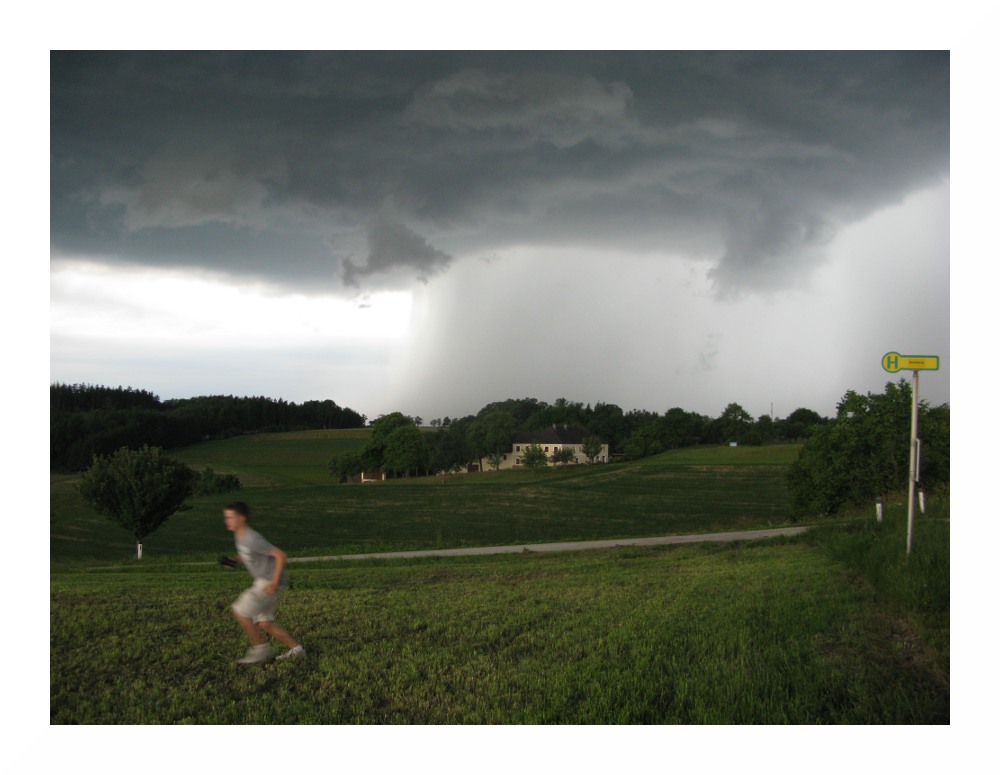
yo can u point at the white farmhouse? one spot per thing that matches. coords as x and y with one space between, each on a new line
551 440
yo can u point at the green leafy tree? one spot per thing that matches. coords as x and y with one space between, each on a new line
679 428
373 456
562 412
495 460
735 421
643 442
564 455
498 427
346 465
761 432
591 448
475 437
137 489
447 449
534 457
385 425
489 435
608 421
865 451
405 450
800 422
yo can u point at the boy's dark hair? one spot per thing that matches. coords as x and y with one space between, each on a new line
240 508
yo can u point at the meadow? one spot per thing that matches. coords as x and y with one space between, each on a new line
288 485
767 632
835 626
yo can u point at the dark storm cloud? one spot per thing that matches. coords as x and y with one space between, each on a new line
393 246
319 170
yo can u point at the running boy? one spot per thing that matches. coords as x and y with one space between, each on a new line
254 609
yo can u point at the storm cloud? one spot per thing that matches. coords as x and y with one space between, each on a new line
336 173
392 246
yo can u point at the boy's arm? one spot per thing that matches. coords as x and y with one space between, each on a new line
280 560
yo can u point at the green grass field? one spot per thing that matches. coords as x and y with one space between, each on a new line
293 495
832 627
776 632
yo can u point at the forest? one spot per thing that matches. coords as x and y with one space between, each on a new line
87 420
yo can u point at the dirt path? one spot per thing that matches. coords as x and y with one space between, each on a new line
573 546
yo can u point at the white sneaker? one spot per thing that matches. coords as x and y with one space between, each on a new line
256 654
294 653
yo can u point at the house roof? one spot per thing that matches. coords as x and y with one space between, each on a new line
554 434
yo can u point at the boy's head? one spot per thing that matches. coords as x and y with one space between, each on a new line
235 514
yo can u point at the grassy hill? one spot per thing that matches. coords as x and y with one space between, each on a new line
295 499
833 627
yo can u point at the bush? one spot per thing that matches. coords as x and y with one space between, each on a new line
864 453
346 465
210 483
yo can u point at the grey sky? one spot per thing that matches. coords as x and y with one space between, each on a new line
650 229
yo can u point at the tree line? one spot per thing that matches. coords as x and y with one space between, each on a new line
860 454
87 420
398 447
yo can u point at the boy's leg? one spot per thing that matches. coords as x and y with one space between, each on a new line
275 630
252 630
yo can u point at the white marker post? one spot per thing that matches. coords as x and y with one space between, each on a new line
894 362
913 466
920 489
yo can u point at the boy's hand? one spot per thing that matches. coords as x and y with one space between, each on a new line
270 588
227 562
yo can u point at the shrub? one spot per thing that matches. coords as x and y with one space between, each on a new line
210 483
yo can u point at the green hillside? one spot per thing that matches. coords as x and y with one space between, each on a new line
294 497
275 459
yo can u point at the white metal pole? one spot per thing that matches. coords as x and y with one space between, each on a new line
913 466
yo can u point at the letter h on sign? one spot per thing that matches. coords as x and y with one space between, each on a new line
892 362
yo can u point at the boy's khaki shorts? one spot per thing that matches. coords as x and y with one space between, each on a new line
256 604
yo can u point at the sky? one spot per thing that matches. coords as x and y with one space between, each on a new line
430 232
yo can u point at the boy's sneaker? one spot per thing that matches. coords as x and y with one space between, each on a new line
294 653
256 654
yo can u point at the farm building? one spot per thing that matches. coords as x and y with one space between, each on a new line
374 475
551 440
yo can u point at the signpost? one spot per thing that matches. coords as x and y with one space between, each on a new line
893 362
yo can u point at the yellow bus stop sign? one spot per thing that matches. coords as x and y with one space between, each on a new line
893 362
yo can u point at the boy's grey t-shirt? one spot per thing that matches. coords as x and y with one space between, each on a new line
255 550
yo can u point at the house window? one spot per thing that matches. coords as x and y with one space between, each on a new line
546 449
504 457
517 448
517 461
